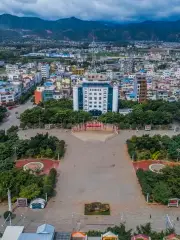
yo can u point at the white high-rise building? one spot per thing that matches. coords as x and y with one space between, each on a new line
45 70
96 94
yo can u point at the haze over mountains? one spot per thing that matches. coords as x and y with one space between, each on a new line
76 29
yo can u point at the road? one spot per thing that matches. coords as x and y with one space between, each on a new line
12 119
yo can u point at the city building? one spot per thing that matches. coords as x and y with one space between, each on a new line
78 71
96 94
140 87
45 68
9 92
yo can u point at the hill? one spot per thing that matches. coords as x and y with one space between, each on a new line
76 29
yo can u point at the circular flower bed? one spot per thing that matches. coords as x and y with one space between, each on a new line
34 167
97 208
156 167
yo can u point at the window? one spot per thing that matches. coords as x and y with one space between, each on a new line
90 102
95 98
99 106
95 106
99 98
90 106
95 93
99 93
90 98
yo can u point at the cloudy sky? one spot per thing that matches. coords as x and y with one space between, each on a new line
112 10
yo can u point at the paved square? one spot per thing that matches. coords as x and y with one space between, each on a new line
97 171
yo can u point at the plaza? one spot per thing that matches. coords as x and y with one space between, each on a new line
96 171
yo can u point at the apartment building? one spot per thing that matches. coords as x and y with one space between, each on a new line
140 87
96 94
45 70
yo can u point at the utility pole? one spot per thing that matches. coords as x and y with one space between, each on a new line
9 200
178 151
46 197
147 198
39 121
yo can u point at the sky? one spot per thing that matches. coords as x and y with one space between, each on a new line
109 10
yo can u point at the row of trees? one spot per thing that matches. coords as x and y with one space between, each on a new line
41 146
124 234
160 187
26 185
61 103
150 112
156 147
38 116
137 118
60 112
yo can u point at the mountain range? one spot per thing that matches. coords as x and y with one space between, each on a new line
76 29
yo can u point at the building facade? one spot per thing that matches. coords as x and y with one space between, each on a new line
96 94
140 87
45 70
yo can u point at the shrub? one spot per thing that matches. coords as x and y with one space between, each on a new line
7 215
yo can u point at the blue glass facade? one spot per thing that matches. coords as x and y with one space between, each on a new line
47 95
110 98
80 98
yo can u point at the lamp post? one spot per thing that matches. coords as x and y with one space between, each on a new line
178 151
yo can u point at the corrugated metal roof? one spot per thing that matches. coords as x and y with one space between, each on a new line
12 232
45 228
36 236
62 236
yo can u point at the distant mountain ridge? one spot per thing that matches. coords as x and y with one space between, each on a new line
76 29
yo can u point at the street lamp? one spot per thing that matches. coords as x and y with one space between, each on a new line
178 151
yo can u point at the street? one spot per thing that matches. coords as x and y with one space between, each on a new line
12 119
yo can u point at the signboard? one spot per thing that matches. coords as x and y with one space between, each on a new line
173 202
147 127
110 238
22 202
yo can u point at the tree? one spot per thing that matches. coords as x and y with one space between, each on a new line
12 129
161 192
144 229
30 191
48 153
121 231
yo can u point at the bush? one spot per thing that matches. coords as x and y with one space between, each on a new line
12 129
7 215
49 182
22 125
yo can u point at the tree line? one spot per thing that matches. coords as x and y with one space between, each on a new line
126 234
60 112
156 147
